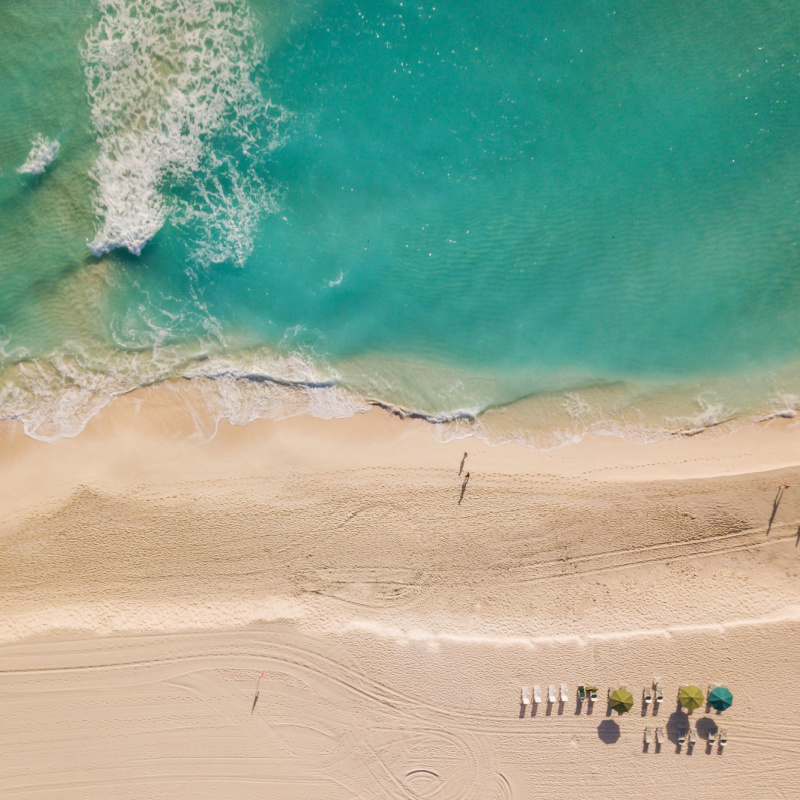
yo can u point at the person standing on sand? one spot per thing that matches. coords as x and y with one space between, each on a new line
461 468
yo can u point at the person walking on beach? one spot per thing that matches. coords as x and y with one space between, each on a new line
461 468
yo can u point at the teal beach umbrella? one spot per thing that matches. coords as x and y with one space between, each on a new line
720 698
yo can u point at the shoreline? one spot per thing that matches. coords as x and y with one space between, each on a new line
56 397
170 419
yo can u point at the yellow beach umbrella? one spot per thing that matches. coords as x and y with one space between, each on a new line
621 700
691 697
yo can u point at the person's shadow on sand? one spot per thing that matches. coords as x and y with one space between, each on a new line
775 503
463 488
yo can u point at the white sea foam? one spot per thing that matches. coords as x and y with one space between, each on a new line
338 280
575 406
42 152
171 86
711 412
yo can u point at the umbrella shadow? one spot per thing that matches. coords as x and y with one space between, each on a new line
608 731
705 727
677 721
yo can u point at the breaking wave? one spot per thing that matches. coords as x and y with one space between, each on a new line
42 152
177 114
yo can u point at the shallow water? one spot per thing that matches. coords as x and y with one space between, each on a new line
445 207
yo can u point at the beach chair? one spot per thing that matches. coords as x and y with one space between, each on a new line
723 738
692 737
659 693
537 693
564 696
681 735
648 695
551 694
581 693
660 736
712 737
526 696
648 735
592 692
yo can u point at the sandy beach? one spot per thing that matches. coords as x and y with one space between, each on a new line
310 609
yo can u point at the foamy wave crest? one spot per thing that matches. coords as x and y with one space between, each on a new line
43 151
55 397
170 84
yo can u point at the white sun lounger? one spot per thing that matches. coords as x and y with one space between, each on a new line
660 737
648 735
692 737
681 735
564 697
526 696
537 693
723 738
551 694
659 693
648 695
712 736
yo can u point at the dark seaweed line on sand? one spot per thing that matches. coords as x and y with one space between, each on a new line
395 410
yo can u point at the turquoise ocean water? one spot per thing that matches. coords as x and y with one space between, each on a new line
535 218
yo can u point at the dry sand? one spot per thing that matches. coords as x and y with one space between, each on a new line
149 578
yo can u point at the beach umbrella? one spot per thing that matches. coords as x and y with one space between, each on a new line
621 700
720 698
691 697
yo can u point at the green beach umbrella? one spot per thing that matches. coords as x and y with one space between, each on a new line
621 700
691 697
720 698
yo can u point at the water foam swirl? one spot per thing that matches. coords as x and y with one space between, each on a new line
173 102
